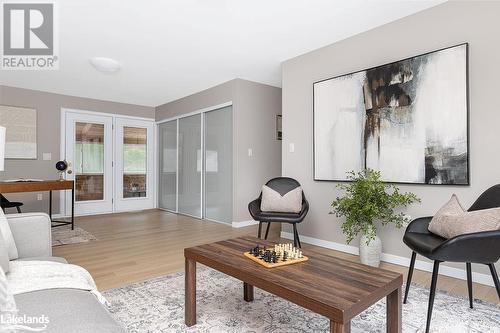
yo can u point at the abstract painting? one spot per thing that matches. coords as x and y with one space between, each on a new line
407 119
20 142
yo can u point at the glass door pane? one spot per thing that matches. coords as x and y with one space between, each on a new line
89 161
89 149
190 163
168 165
218 178
134 162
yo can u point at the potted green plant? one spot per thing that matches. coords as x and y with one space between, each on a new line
367 201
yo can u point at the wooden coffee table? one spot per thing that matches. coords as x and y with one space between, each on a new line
335 288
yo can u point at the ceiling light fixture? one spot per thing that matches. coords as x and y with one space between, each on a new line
105 65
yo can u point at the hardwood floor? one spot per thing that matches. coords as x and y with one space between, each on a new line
137 246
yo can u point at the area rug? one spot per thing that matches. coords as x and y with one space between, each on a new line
157 305
64 235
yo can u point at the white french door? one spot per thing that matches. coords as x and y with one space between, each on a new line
112 159
89 143
134 167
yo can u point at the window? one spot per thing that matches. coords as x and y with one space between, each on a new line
134 162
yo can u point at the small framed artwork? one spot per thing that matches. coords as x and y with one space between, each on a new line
408 119
21 136
279 132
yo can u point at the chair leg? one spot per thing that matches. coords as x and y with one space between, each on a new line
267 229
260 230
410 275
469 284
432 294
18 209
296 239
494 275
294 235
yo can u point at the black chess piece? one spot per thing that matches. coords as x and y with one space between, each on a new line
274 258
268 256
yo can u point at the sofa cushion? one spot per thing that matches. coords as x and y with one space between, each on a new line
4 254
8 237
68 310
451 220
273 201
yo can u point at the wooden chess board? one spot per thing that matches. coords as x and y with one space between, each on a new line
277 264
279 255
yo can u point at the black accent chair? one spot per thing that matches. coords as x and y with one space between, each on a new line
281 185
478 248
4 203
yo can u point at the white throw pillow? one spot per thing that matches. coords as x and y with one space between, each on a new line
7 236
273 201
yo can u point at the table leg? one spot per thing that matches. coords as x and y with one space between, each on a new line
50 205
73 207
339 327
190 292
394 309
247 292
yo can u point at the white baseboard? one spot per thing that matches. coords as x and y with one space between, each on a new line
59 216
244 223
398 260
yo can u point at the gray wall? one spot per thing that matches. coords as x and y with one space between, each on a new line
48 108
219 94
445 25
255 107
255 127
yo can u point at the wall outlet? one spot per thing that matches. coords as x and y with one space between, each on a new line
291 147
39 197
250 152
47 156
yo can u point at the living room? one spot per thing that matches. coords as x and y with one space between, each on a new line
217 166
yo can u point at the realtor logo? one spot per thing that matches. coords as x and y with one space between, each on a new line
29 36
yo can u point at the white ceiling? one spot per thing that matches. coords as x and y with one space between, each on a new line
173 48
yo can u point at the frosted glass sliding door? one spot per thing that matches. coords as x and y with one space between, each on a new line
218 161
189 166
168 165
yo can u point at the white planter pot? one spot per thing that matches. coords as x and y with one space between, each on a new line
370 254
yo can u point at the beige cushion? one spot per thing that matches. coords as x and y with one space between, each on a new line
452 220
8 237
273 201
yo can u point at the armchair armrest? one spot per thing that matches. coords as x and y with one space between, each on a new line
479 247
419 225
32 234
304 209
254 208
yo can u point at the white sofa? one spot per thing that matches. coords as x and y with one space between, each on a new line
69 310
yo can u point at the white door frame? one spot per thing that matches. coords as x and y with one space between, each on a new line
137 203
65 203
